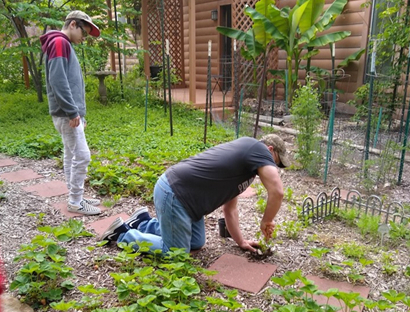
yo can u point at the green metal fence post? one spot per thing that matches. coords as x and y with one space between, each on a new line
369 113
239 114
378 127
146 104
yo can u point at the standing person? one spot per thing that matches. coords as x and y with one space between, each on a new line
195 187
66 100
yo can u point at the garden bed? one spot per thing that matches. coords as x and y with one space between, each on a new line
293 246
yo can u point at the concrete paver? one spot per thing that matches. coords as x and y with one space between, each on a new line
325 284
101 225
20 175
5 162
238 272
48 189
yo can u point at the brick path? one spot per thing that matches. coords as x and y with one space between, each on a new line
233 271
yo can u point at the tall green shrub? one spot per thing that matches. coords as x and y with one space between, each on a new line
306 119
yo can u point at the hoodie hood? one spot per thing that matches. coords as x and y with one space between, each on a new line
50 36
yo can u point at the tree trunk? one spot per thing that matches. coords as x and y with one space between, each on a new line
31 62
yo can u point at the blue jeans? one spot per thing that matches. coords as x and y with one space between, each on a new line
173 228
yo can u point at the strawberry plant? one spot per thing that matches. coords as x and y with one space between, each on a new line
44 277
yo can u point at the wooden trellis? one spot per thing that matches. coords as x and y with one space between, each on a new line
173 29
244 23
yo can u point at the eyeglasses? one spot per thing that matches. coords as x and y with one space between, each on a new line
85 33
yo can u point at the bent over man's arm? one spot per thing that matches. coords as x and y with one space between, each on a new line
231 214
270 178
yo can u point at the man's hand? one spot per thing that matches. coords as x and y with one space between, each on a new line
248 245
267 229
74 123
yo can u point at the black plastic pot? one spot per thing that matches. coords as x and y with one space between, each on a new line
223 231
154 71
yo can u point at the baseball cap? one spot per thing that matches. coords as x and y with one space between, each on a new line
279 146
95 31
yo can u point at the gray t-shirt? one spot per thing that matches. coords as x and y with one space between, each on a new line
204 182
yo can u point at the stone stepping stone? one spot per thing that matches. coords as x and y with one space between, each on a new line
20 175
325 284
238 272
48 189
5 162
8 303
62 206
102 225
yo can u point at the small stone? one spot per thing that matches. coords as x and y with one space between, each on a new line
11 304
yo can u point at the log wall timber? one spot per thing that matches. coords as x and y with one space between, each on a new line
205 31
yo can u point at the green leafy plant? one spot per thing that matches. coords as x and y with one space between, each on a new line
288 195
307 119
2 195
369 224
388 263
407 271
354 275
346 152
261 205
92 299
292 228
348 215
353 250
399 231
319 254
67 231
115 199
39 217
266 245
44 277
298 293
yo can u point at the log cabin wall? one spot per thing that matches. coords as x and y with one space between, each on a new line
205 31
230 14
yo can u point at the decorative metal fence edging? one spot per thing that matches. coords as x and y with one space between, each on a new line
325 206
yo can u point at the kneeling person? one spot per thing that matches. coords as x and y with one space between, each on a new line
197 186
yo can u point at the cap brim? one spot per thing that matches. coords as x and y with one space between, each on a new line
95 32
284 160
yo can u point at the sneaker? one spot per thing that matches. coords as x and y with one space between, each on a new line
140 215
92 201
114 230
84 208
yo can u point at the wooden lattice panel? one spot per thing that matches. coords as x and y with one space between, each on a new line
243 22
173 31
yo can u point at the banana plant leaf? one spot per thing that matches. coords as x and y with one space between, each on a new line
329 16
352 57
311 14
328 38
254 48
310 54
